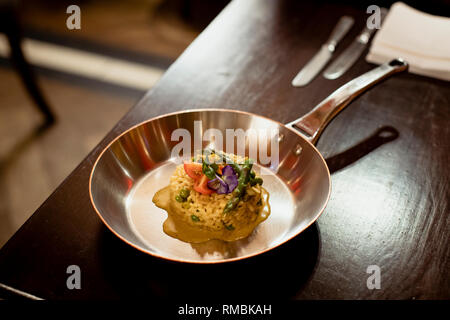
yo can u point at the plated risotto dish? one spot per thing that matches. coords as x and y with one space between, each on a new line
214 196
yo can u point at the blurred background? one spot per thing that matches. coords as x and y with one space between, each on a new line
62 90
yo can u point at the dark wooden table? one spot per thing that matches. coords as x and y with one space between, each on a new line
388 153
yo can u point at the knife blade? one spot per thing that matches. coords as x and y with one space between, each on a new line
313 67
316 64
338 67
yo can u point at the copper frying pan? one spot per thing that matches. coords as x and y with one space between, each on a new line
138 162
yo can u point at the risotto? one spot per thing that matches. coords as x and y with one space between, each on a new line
206 200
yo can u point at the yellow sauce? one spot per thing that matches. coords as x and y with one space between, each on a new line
176 228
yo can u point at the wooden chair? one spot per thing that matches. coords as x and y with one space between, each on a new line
9 25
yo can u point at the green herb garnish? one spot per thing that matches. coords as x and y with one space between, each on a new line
229 227
258 181
239 191
184 193
195 218
208 171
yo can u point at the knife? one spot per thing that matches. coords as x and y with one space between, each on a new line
338 67
313 67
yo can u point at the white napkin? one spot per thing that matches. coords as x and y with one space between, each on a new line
421 39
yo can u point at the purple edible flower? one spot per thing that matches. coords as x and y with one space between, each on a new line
218 185
230 178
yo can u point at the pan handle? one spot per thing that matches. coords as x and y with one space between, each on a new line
312 124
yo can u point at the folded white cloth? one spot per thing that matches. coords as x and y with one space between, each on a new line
421 39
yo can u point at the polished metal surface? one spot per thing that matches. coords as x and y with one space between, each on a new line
339 66
347 58
316 64
313 67
316 120
139 162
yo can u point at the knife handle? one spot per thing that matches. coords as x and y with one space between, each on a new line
343 26
313 123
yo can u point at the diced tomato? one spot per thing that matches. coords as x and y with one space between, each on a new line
201 185
193 170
